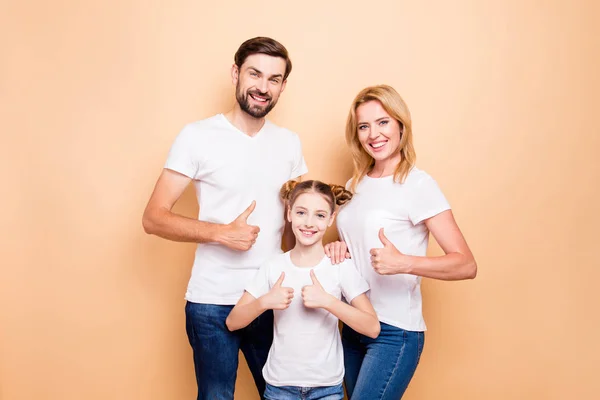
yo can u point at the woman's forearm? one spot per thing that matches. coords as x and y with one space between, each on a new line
449 267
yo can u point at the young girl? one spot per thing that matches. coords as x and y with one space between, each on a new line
304 289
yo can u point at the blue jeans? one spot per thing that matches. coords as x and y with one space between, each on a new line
380 369
304 393
216 349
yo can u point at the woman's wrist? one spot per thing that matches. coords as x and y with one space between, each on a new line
404 264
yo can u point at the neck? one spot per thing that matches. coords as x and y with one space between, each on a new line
385 167
244 121
307 256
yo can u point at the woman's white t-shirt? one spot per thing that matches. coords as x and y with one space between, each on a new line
399 208
306 349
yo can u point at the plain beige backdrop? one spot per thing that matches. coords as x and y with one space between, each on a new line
504 98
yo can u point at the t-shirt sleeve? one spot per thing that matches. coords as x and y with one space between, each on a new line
427 200
351 282
299 167
183 156
259 285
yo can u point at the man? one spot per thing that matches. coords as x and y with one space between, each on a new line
237 162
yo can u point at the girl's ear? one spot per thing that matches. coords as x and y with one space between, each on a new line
289 213
331 219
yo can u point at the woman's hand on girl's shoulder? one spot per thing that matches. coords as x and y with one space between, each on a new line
337 251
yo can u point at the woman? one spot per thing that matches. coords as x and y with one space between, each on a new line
386 227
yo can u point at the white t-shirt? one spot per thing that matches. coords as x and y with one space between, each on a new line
229 170
400 209
307 349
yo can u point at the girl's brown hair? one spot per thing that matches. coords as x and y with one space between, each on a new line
333 194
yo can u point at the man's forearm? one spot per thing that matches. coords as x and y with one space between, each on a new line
168 225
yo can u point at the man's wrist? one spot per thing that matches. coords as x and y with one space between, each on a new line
217 234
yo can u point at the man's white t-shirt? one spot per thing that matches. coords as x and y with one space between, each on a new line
399 208
307 349
231 169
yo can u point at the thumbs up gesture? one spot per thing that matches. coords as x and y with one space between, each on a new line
387 260
314 296
279 297
238 235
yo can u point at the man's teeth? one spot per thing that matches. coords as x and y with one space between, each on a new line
378 145
258 98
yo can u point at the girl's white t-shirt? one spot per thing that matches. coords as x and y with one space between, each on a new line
307 349
399 208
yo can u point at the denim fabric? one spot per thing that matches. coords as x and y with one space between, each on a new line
216 349
304 393
380 369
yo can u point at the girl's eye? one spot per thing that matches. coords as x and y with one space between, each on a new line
299 212
321 215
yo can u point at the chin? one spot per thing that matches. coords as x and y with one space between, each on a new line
306 243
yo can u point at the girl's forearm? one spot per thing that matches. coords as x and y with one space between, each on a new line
242 315
361 321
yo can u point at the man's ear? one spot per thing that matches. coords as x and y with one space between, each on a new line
235 74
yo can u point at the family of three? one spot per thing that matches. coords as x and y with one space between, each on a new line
282 309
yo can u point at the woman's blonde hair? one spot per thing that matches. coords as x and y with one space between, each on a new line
397 109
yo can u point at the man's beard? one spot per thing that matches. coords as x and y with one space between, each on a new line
254 110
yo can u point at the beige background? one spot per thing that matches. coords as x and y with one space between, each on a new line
504 97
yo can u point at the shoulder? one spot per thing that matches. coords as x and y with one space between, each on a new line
203 127
277 261
282 133
347 266
416 177
195 133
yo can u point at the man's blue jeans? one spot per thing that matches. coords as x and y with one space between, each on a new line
216 349
380 369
